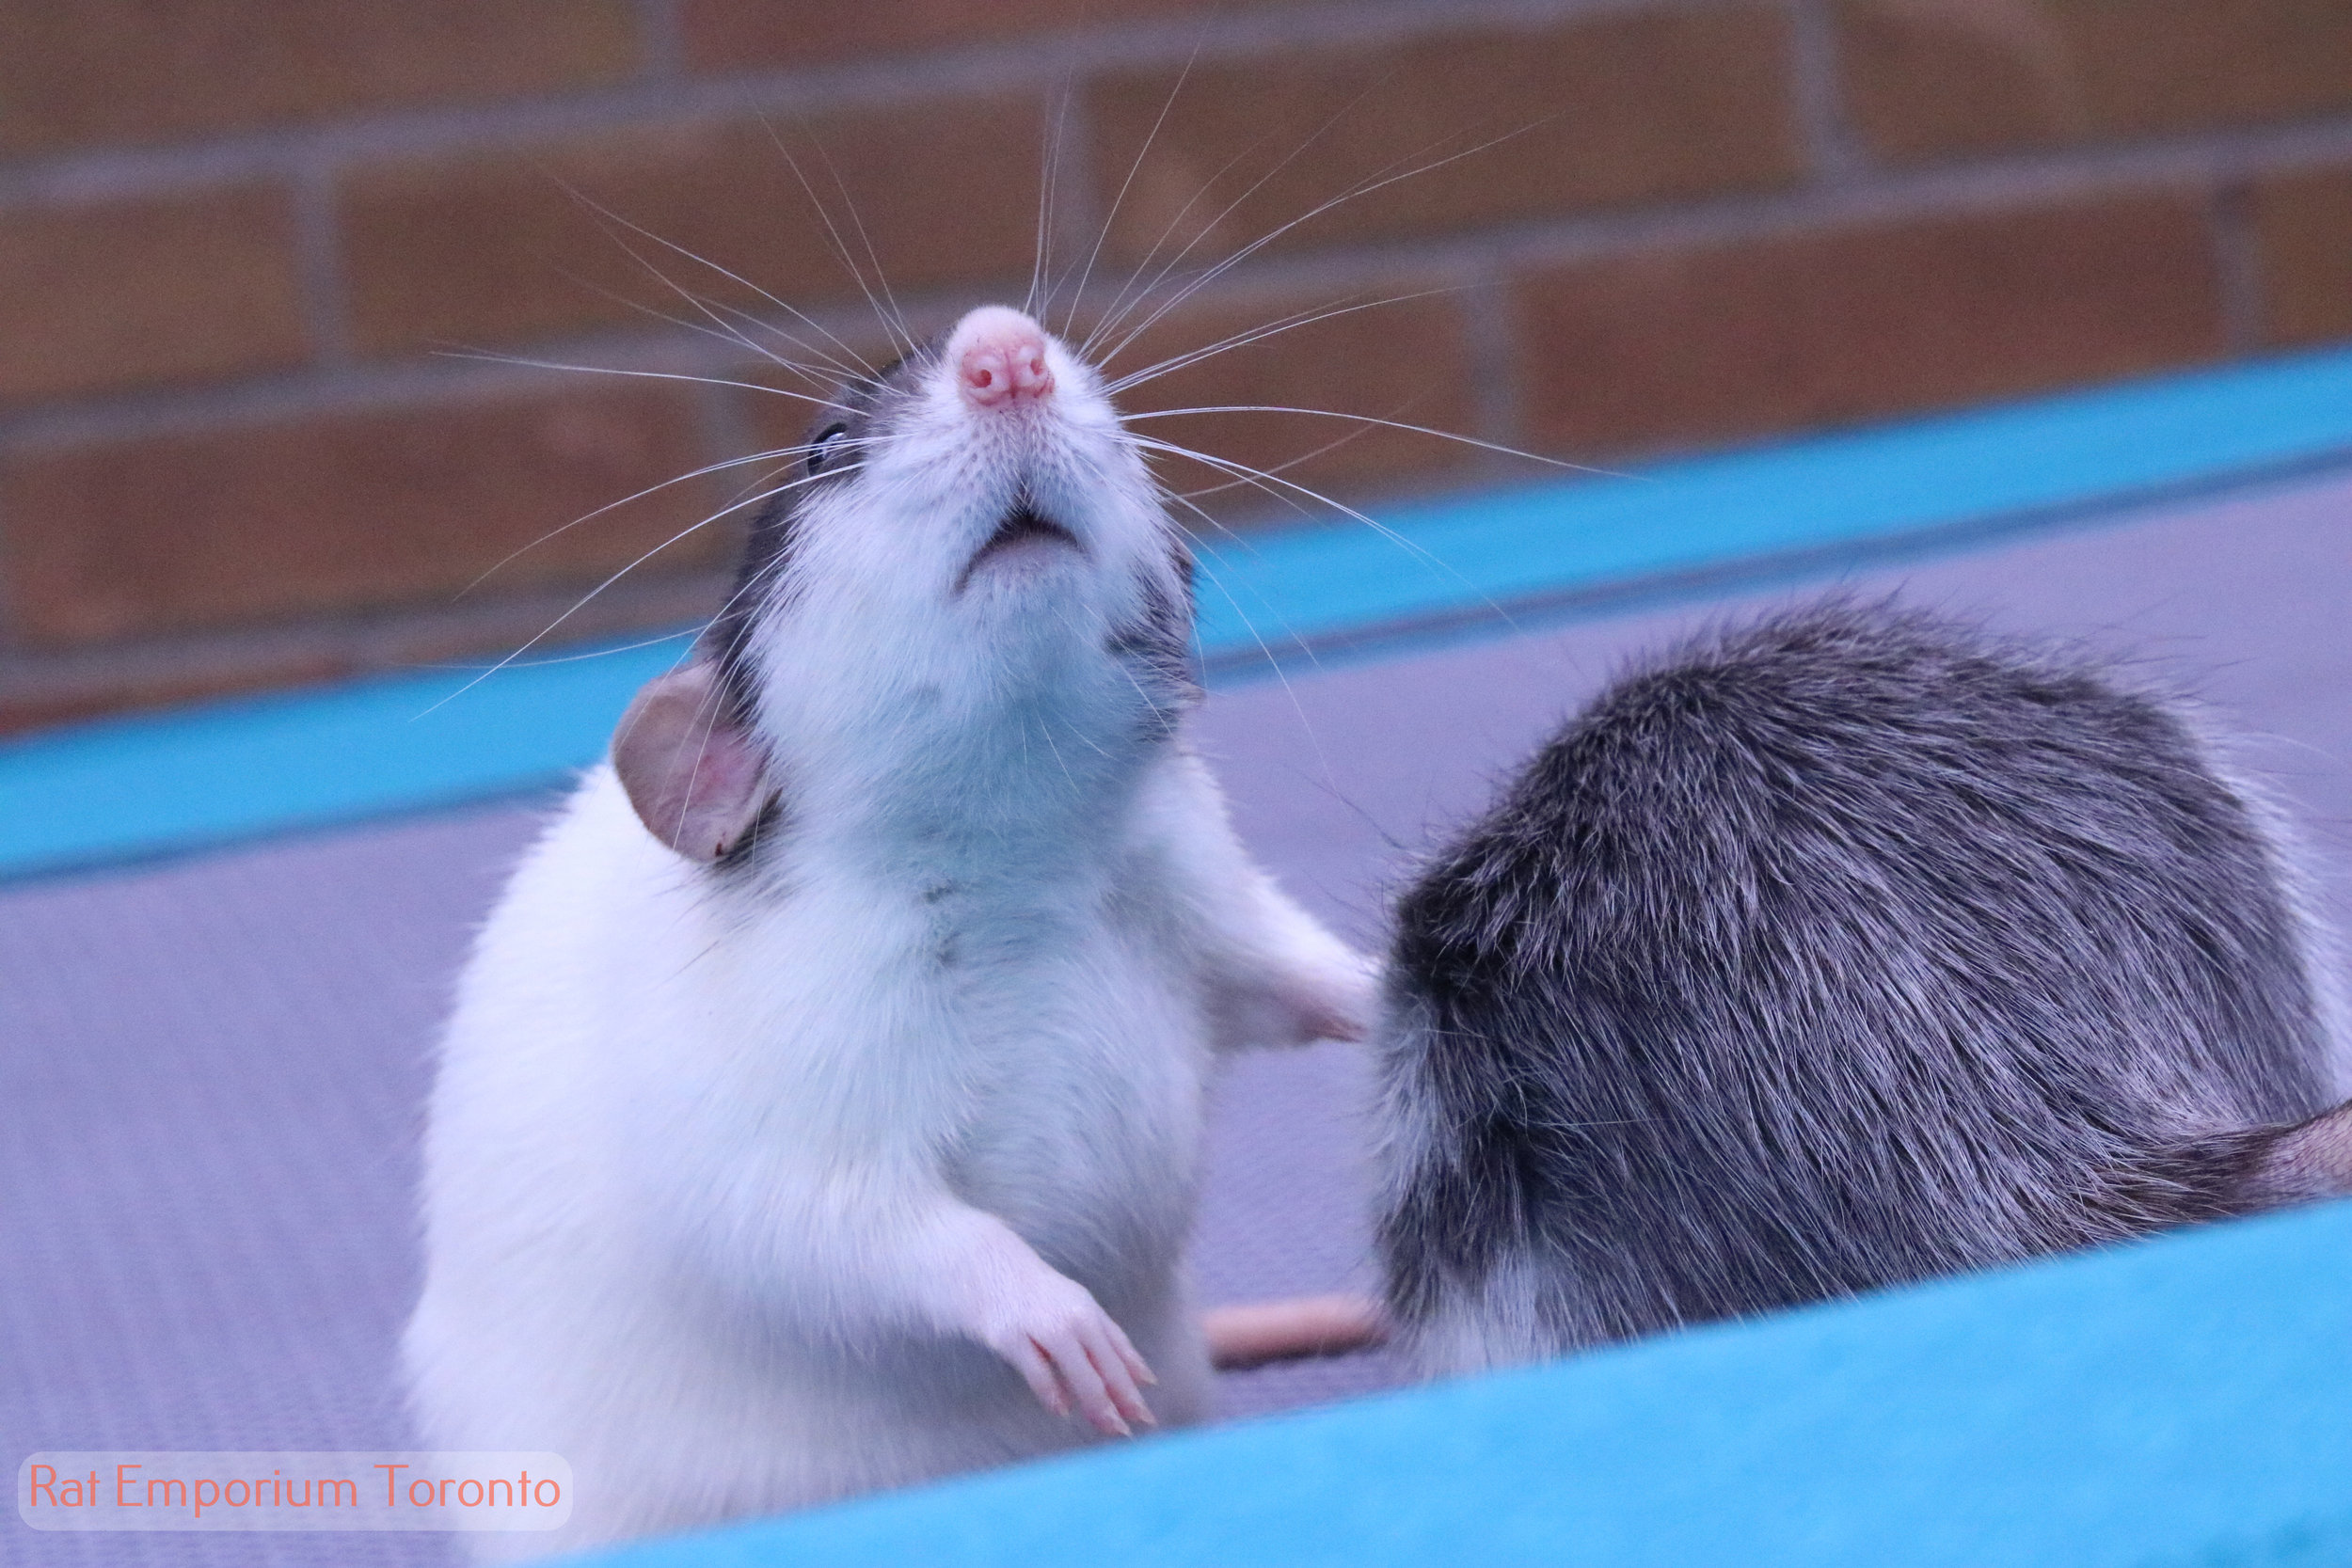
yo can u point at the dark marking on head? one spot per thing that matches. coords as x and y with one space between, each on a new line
1157 646
767 831
832 452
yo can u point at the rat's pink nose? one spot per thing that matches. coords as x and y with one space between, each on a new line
999 356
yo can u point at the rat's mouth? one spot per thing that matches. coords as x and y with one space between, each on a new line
1023 535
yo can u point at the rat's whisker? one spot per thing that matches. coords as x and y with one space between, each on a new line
834 370
1120 310
1048 183
548 630
1274 663
1077 294
1306 315
1263 478
1378 179
1289 462
720 467
751 586
1243 475
1045 209
855 359
840 246
717 327
488 358
1391 424
1289 489
1364 187
1168 231
713 327
898 323
1291 323
580 658
723 317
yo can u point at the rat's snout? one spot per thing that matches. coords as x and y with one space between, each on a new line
999 358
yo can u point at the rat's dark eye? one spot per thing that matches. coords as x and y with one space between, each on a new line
828 443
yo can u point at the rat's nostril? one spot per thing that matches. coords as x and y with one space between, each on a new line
1004 361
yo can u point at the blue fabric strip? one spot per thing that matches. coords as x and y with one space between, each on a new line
231 770
2181 1402
2036 459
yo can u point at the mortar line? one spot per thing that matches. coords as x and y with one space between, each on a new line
1816 81
319 264
1019 64
663 41
2237 267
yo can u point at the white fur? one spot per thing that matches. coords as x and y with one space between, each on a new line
734 1175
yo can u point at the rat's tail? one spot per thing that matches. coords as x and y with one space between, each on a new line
2244 1172
2310 1160
1244 1336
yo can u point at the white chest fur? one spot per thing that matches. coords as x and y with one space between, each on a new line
699 1162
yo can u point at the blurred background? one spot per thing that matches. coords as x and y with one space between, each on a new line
252 250
282 286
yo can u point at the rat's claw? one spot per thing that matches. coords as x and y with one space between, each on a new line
1085 1383
1137 1367
1038 1373
1117 1378
1072 1354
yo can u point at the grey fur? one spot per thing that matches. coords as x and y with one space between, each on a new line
1848 949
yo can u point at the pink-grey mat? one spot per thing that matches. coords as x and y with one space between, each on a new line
211 1070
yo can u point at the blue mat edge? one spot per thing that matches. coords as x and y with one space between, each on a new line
220 771
2185 1400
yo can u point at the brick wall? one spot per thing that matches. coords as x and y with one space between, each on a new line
239 240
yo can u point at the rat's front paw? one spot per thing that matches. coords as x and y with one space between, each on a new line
1337 998
1070 1352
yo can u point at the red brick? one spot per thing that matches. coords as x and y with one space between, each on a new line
1934 78
1406 361
133 294
1674 348
494 248
2304 224
82 72
344 512
1606 112
722 35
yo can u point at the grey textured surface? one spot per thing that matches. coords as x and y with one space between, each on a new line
210 1070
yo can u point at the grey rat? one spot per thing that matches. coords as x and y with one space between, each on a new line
1849 948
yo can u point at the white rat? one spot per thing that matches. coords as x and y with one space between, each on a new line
822 1107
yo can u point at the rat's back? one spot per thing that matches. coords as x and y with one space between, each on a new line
1847 949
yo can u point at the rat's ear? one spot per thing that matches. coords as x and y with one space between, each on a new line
693 773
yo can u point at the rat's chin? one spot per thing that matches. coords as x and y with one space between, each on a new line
1023 546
